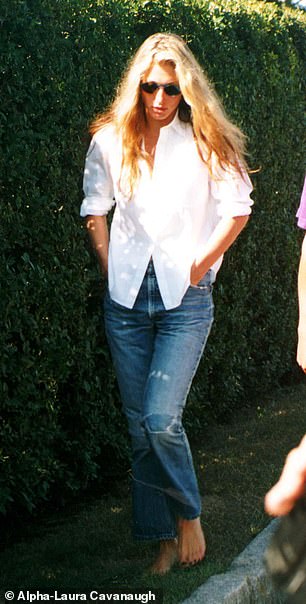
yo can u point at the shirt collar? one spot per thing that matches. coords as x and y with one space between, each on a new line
175 125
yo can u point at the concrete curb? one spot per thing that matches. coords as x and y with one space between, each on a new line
245 582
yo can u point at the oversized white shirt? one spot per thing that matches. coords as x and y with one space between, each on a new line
171 215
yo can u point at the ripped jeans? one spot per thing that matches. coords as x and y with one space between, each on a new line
156 353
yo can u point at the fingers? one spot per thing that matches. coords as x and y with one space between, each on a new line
301 352
291 485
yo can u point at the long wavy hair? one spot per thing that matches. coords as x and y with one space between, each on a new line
215 135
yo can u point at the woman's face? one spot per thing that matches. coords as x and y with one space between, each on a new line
159 106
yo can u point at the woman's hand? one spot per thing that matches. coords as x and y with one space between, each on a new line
196 273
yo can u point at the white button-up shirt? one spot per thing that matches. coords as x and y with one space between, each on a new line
170 216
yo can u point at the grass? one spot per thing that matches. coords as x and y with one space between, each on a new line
88 546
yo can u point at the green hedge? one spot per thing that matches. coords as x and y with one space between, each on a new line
61 426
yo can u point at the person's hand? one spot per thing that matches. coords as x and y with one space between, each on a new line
196 273
291 485
301 350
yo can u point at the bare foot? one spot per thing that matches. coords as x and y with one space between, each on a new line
166 558
191 545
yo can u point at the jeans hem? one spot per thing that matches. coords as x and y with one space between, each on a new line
164 537
189 517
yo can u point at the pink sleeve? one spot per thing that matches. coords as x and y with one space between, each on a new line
301 213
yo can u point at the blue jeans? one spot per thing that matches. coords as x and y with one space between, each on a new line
156 353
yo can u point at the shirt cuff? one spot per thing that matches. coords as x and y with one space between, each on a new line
235 208
96 206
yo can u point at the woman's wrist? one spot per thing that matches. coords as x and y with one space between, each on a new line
198 270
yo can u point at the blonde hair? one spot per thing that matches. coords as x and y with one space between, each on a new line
215 135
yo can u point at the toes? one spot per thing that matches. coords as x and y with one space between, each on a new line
188 565
192 559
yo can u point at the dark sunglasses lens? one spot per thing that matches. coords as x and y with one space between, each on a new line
149 87
172 90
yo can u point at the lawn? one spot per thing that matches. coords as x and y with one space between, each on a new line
88 545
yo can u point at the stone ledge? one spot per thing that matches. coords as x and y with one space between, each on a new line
245 582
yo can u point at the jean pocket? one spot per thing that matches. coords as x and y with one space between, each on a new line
108 300
202 287
205 283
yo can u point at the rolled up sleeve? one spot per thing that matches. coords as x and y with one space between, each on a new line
231 190
97 182
301 213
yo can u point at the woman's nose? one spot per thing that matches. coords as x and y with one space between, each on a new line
160 94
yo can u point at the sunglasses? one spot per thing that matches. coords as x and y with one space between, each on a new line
151 87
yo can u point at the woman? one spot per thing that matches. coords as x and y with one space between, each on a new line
171 161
